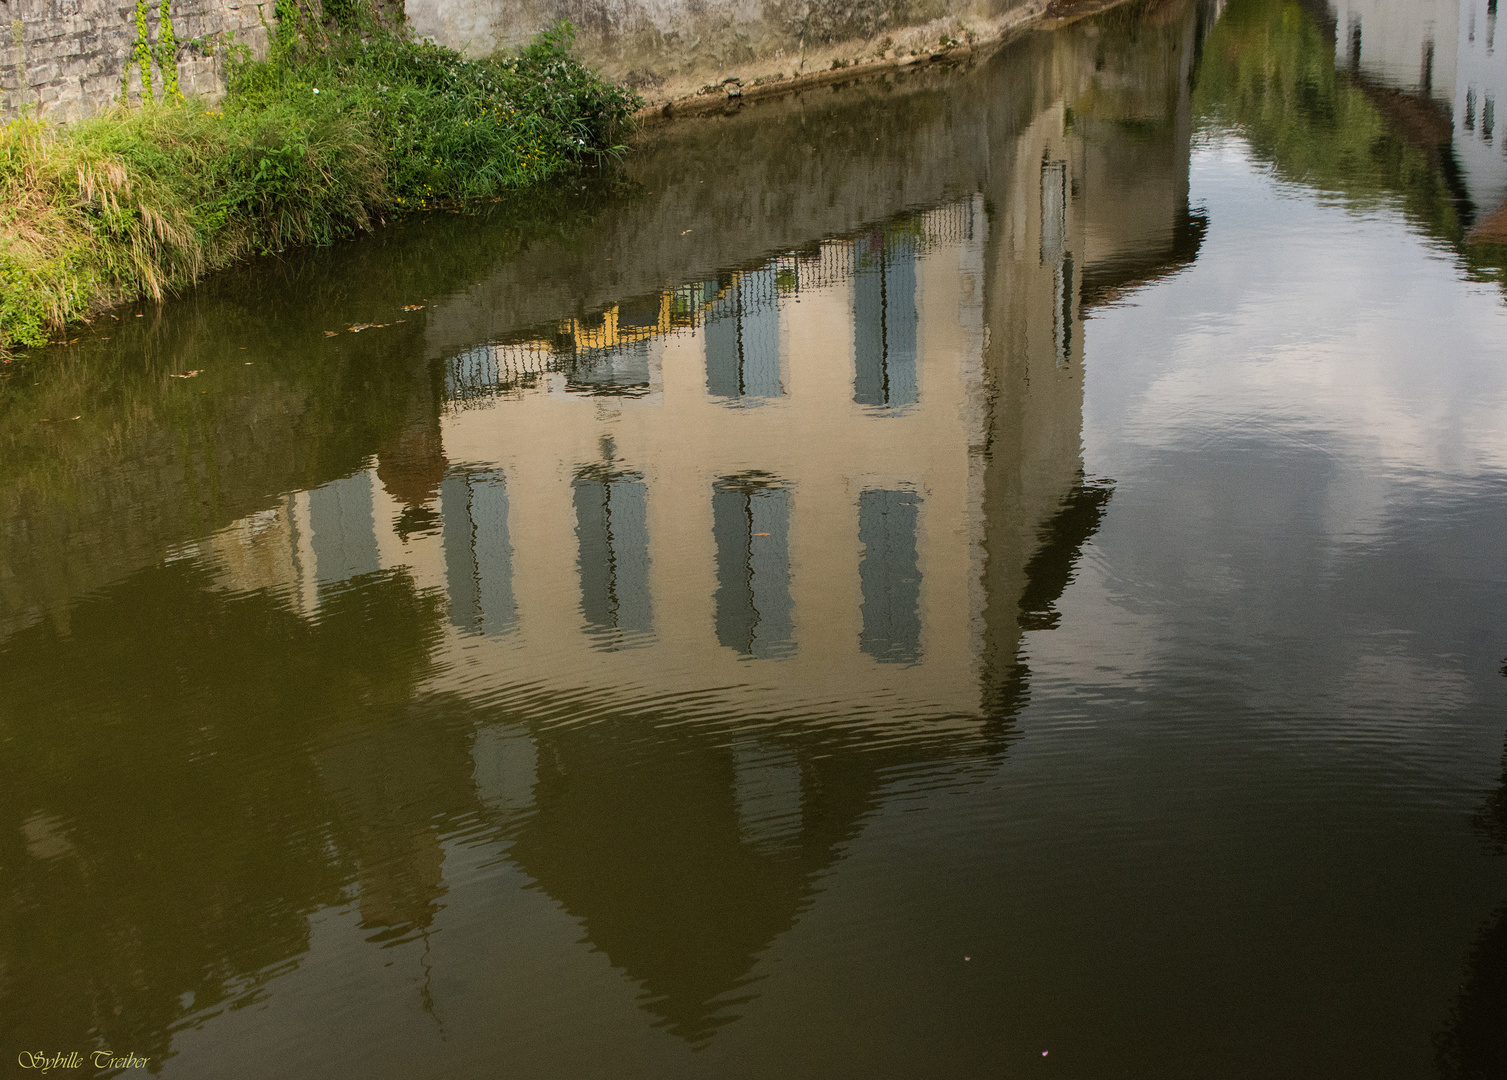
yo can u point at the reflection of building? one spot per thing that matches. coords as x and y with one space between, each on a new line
686 582
1445 50
835 530
1409 44
815 564
684 867
860 553
1480 92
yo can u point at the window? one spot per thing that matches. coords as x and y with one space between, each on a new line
344 540
478 553
884 320
890 576
620 370
751 524
1054 253
743 339
612 529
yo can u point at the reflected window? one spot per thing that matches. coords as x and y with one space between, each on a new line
469 373
478 552
890 576
506 769
884 320
751 523
612 528
1053 212
617 371
344 536
641 314
1054 253
768 797
742 339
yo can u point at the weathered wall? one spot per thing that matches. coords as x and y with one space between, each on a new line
64 58
647 42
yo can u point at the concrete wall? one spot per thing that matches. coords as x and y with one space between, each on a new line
64 58
649 42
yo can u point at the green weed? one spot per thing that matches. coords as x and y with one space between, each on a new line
336 129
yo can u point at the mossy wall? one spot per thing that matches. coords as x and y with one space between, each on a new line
64 58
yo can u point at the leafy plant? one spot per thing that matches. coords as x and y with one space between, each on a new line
338 128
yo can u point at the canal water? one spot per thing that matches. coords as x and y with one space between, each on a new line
996 570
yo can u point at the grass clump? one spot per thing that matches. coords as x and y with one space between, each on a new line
336 129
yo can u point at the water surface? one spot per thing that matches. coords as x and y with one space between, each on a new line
991 570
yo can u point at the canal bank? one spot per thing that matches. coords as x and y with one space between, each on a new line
338 130
144 202
907 577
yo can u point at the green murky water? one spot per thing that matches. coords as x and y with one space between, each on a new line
992 571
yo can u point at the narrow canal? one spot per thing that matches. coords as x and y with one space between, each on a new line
994 570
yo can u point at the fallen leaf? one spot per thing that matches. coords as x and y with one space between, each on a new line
761 534
686 231
331 333
187 374
412 307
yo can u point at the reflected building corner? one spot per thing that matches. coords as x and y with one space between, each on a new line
1089 201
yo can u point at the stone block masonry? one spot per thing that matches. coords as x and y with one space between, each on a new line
63 59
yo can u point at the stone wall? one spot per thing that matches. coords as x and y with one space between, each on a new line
63 59
648 43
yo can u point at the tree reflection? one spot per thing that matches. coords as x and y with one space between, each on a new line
214 771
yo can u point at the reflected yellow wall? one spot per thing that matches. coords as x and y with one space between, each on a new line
815 439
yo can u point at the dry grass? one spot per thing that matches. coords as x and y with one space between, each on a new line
318 142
